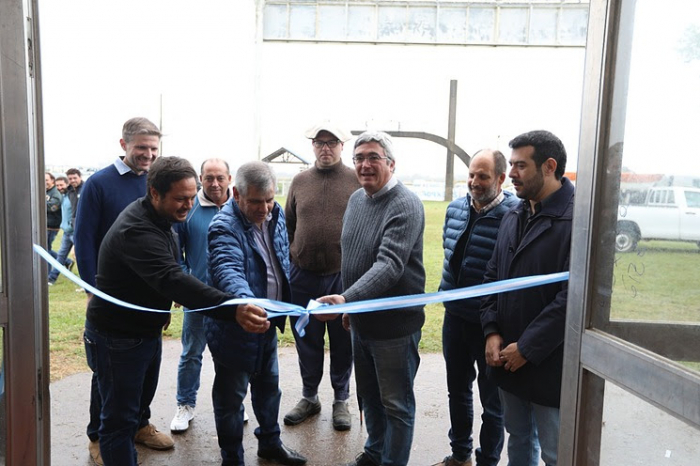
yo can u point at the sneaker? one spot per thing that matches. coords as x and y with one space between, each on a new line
152 438
95 455
183 416
51 283
450 461
245 416
341 416
301 412
362 459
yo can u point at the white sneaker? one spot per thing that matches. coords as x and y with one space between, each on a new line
245 416
182 418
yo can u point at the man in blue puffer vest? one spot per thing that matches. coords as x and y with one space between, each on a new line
469 236
249 258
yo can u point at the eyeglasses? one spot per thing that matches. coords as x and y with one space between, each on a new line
372 159
331 144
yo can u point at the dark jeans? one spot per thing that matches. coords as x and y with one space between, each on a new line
189 368
385 371
50 237
311 347
127 377
463 346
229 390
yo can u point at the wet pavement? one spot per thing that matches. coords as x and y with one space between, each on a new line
315 438
634 432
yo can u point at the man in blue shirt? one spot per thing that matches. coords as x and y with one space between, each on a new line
104 196
69 206
216 178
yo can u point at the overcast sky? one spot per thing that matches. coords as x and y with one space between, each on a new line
104 62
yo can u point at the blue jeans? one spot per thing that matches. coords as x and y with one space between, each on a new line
229 390
463 347
530 427
62 256
311 347
385 371
190 366
50 238
127 377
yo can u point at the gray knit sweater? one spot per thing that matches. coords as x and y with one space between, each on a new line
382 244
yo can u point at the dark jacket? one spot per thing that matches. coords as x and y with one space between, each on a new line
532 317
74 195
237 267
479 248
53 208
138 263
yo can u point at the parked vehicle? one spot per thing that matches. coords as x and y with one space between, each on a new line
667 213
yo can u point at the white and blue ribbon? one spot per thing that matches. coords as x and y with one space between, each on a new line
279 309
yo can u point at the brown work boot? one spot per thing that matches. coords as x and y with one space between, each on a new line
150 437
95 455
450 461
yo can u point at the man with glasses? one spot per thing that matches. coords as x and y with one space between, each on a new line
382 247
315 206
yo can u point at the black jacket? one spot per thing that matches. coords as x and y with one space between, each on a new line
138 263
534 317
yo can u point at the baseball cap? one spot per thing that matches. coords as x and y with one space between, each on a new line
332 128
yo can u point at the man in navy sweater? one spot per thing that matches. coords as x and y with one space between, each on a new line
104 196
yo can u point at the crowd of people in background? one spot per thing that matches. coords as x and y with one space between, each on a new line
144 233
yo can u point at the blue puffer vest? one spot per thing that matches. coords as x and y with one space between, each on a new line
480 246
236 266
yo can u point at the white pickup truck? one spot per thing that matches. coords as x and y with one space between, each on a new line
668 213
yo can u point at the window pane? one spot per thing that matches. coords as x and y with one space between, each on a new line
452 28
275 22
361 23
302 22
543 26
421 24
654 234
513 26
635 432
331 22
573 25
391 23
481 24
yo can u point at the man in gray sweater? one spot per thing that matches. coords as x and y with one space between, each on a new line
382 256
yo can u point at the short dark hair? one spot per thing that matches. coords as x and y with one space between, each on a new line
62 178
546 146
73 171
53 178
168 170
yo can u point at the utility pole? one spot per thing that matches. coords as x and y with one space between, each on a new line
451 123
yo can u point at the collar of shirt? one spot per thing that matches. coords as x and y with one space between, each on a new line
122 168
497 200
389 185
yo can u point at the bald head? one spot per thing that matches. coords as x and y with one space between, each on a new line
487 172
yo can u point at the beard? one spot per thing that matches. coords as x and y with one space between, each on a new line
531 187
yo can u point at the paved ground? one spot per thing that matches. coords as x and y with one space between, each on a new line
634 433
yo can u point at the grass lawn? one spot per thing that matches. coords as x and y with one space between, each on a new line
658 282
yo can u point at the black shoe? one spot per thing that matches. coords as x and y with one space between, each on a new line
362 459
301 412
282 454
341 416
69 264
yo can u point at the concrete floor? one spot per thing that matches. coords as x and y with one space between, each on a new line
634 433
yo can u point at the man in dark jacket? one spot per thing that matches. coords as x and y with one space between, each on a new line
524 329
469 236
139 263
249 258
53 211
